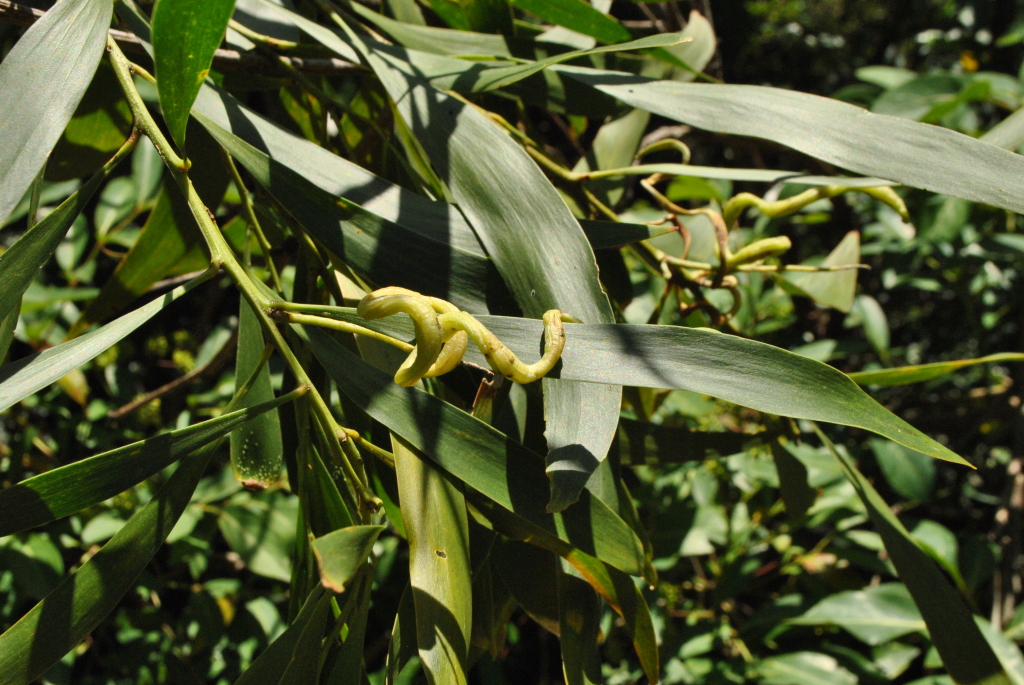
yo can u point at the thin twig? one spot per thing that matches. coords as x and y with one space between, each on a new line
223 59
212 366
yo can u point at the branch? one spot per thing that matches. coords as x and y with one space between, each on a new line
231 60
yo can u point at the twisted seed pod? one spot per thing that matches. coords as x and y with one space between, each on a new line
429 337
438 323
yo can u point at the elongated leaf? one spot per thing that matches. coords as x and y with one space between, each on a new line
185 36
340 553
20 379
364 240
403 654
502 470
65 490
905 375
797 494
21 262
900 150
731 174
748 373
578 16
434 512
257 454
263 147
273 662
42 80
499 77
579 612
617 588
964 650
67 615
304 661
544 269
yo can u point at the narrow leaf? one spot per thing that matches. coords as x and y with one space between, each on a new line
745 372
257 454
905 375
900 150
76 607
65 490
485 459
499 77
186 33
42 80
579 618
273 662
20 379
964 650
434 512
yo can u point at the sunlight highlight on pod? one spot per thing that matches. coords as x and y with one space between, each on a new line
443 334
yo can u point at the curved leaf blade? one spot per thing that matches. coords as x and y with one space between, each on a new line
42 80
745 372
965 652
901 150
485 459
65 490
434 512
20 379
74 608
257 451
905 375
186 33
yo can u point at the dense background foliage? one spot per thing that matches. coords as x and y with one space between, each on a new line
746 589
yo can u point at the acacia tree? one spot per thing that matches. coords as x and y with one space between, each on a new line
402 168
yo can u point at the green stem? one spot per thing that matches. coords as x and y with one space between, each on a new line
221 257
343 326
250 214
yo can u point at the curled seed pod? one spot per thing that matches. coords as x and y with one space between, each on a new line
389 301
443 333
756 251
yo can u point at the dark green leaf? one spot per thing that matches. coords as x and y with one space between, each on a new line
748 373
76 607
905 375
99 127
434 512
20 379
911 474
485 459
256 449
578 16
918 155
274 661
340 553
579 611
874 615
65 490
185 36
797 494
261 530
42 80
964 650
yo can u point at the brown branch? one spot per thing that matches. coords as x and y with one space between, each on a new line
231 60
222 357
